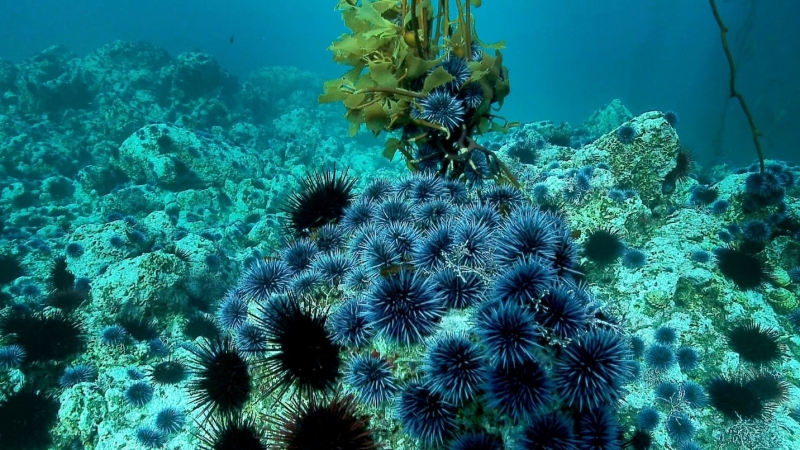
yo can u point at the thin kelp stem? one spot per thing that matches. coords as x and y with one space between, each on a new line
734 93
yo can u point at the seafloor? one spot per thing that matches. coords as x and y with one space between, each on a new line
158 181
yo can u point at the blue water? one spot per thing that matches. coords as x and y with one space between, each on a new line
566 59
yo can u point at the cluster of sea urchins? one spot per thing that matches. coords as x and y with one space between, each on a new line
396 261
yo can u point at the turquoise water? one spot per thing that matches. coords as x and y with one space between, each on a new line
204 228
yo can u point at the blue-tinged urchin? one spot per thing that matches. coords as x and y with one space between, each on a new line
402 237
393 210
427 158
371 378
475 241
591 370
357 215
756 231
561 314
599 430
427 187
81 373
306 282
626 134
232 311
333 266
113 335
565 255
476 169
264 278
358 280
634 258
403 307
519 392
484 214
429 215
349 325
667 391
508 332
403 186
528 233
694 394
476 440
688 358
524 282
251 340
441 108
330 237
150 438
302 353
11 356
298 254
666 335
430 252
648 418
424 414
139 394
458 69
503 197
457 192
659 357
378 253
551 431
170 420
460 289
473 95
454 367
679 427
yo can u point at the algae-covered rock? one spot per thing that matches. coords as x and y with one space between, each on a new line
608 118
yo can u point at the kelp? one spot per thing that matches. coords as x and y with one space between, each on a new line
395 49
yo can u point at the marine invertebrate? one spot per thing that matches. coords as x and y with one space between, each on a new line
524 282
333 266
232 310
168 372
520 391
424 414
626 134
301 351
222 381
458 290
665 335
26 417
591 370
417 81
11 356
371 378
264 278
741 398
688 358
659 357
349 324
528 233
80 373
150 438
701 256
10 268
454 367
694 394
746 271
756 231
403 308
45 337
60 278
170 420
322 199
113 335
320 424
231 433
74 250
634 258
719 207
561 314
671 117
251 340
139 394
549 431
599 429
508 332
756 344
679 427
475 244
648 418
477 440
429 253
704 195
603 246
200 325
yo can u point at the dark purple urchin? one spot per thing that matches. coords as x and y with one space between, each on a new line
591 370
748 272
150 438
302 353
231 433
458 69
26 418
626 134
323 424
222 382
170 420
403 307
322 199
264 278
168 372
424 414
45 337
524 282
603 246
378 253
80 373
441 108
519 392
552 431
756 344
565 256
139 394
746 397
357 215
659 357
508 332
371 378
454 368
528 233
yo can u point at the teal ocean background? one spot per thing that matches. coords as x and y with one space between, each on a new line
566 58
